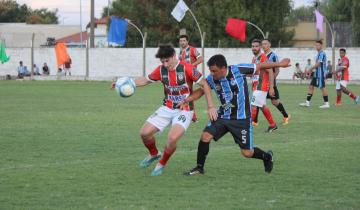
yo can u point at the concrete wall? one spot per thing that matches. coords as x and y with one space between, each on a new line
105 63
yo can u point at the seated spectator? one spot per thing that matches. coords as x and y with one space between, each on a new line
21 70
36 70
60 72
27 72
297 72
46 70
328 70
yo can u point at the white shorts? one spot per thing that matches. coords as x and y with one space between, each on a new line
164 116
342 83
259 98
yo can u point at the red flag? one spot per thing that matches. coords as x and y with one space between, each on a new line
236 28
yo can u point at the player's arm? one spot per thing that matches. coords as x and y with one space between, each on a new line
284 63
271 82
199 60
212 112
142 81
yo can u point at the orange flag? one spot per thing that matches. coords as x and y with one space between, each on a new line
61 54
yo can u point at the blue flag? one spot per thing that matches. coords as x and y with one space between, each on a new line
117 32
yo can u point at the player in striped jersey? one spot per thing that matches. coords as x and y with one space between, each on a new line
177 78
319 76
262 84
275 100
234 113
189 54
342 75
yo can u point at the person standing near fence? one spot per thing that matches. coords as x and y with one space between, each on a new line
189 54
67 67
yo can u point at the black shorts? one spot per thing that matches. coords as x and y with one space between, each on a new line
241 130
318 82
276 96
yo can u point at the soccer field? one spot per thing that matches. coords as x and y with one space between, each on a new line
76 145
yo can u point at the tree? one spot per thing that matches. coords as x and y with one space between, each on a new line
153 16
10 11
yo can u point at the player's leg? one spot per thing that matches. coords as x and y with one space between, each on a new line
272 125
343 85
338 93
275 100
194 117
155 123
214 130
180 123
147 133
325 97
242 134
255 105
310 93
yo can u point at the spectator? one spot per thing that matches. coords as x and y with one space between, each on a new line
21 70
36 70
328 70
46 70
67 67
60 72
297 72
307 72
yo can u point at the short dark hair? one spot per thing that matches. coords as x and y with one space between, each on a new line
343 49
256 40
165 51
184 36
217 60
308 59
296 64
319 41
266 39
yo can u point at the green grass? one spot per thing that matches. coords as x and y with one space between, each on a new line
75 145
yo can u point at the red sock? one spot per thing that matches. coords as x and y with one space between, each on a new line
150 145
268 116
194 118
254 111
338 99
352 95
167 154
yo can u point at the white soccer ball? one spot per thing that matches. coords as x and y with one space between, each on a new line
125 86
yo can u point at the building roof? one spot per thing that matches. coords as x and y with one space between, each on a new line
74 38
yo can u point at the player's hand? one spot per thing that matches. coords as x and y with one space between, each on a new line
182 105
212 113
271 92
285 63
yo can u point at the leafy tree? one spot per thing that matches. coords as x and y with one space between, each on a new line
153 16
10 11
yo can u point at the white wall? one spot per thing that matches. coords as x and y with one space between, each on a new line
106 63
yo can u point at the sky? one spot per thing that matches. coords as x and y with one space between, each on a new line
69 10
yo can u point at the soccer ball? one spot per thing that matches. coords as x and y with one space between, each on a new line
125 86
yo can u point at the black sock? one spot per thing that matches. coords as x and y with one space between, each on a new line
259 154
308 97
203 150
326 98
281 108
257 114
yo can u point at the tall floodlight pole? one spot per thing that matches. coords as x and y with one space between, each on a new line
81 38
92 24
202 37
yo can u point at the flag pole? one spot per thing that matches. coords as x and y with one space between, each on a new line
332 44
257 27
144 44
202 36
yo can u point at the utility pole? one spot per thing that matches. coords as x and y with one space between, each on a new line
92 24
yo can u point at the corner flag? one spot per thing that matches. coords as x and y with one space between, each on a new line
3 57
319 20
236 28
180 10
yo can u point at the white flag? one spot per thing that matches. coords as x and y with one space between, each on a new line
180 10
